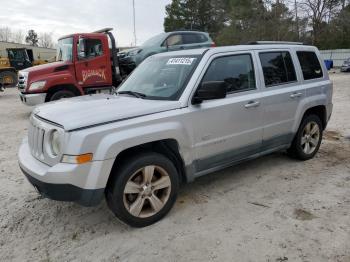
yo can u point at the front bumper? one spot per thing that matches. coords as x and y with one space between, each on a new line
59 182
32 99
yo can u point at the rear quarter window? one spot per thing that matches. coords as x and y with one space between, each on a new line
310 65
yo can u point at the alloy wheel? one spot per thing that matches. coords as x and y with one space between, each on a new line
310 137
147 191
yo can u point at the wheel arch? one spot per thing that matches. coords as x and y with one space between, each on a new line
167 147
56 88
10 69
320 111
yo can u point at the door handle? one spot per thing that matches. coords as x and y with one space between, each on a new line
252 104
295 95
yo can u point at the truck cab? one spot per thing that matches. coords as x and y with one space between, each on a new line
15 59
84 64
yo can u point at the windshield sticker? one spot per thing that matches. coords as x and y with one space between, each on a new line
180 61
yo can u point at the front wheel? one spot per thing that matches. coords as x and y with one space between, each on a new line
61 94
308 138
143 189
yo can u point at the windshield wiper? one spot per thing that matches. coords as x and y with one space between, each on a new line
133 93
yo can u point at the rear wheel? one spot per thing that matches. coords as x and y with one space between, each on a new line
8 79
61 94
143 190
308 138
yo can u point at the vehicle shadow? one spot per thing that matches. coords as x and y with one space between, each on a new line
75 220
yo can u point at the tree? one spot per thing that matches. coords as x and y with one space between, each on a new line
319 11
5 34
204 15
32 38
45 40
18 36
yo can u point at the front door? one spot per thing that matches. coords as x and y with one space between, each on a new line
91 66
229 129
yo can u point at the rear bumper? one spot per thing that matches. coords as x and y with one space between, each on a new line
32 99
345 69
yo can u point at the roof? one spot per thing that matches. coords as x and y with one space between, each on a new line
237 48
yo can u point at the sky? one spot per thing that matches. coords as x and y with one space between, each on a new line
61 17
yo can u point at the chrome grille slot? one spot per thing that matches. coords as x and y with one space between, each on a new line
39 133
21 82
36 140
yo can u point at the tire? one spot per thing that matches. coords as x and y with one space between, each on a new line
133 173
61 94
309 133
8 78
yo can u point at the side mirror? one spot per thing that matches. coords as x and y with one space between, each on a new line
210 90
81 48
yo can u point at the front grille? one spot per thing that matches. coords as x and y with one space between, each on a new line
21 83
36 141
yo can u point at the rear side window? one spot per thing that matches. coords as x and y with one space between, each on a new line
310 65
193 38
237 72
278 68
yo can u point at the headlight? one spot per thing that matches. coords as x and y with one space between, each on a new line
37 86
55 142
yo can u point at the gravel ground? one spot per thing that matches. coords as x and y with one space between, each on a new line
270 209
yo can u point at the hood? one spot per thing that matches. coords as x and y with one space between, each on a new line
126 51
45 67
90 110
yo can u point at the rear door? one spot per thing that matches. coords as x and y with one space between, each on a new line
92 65
281 94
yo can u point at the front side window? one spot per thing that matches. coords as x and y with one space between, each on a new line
236 72
174 40
64 49
310 65
161 78
89 48
278 68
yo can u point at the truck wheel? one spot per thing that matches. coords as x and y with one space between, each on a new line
8 78
143 189
61 94
308 138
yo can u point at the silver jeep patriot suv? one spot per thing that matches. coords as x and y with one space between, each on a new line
178 116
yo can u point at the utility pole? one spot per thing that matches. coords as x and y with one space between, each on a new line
296 19
134 19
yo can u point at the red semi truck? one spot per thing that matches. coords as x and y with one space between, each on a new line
85 63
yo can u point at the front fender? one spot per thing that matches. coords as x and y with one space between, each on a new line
112 144
60 80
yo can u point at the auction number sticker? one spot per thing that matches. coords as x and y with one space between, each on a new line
180 61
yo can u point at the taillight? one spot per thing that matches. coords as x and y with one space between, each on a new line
213 44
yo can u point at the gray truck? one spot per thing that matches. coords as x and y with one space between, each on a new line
179 115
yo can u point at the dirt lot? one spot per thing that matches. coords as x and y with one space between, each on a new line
269 209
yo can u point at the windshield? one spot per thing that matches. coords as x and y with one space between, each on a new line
162 78
154 40
64 49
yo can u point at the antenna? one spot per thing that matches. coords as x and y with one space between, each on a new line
133 8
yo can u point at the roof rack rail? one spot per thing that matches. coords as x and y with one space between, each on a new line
274 43
103 30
